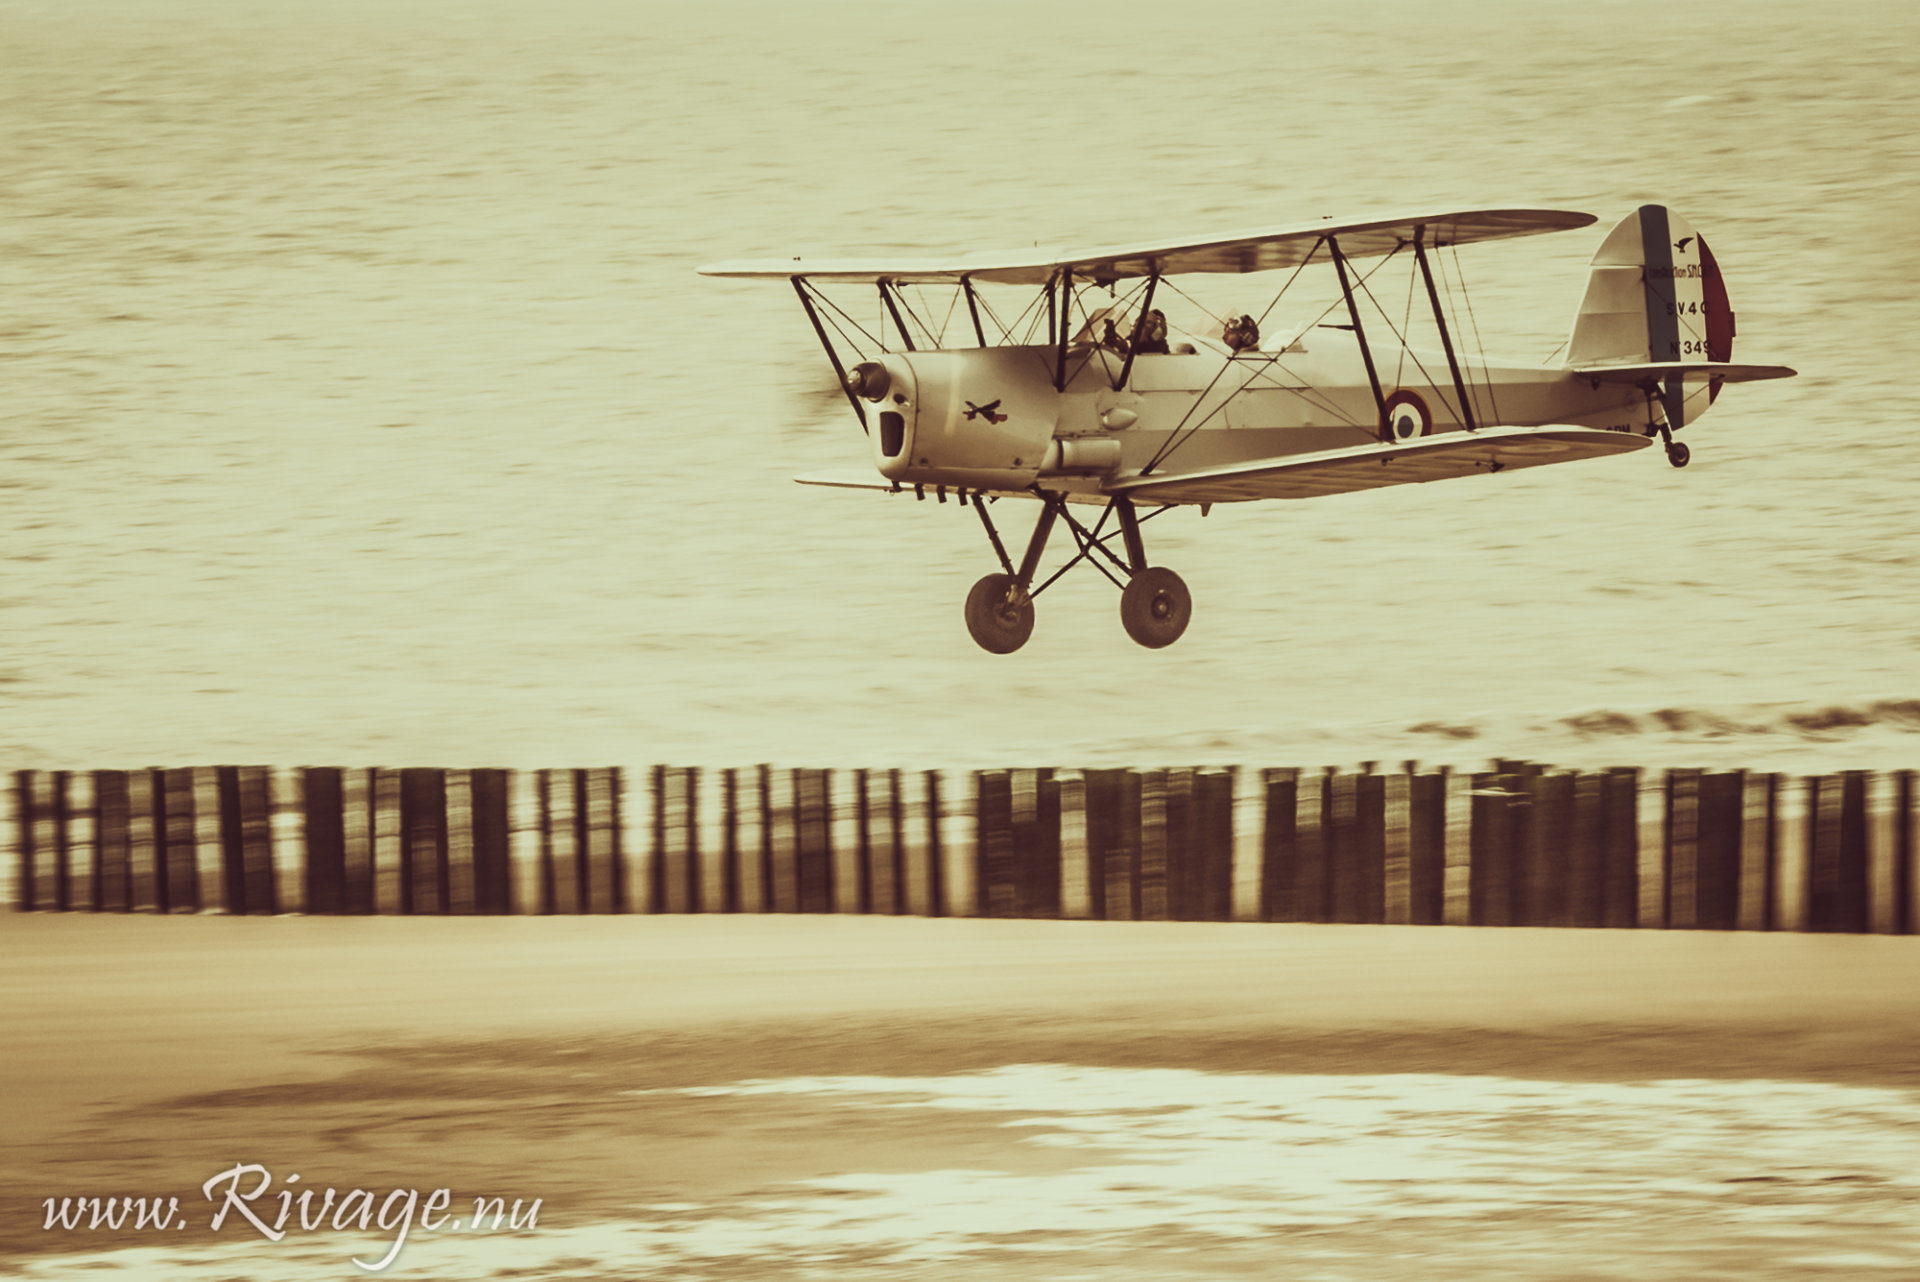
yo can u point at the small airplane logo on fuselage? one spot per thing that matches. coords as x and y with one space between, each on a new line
986 411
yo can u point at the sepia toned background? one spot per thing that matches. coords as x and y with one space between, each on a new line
359 405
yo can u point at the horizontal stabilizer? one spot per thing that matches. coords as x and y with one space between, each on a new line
1368 467
1658 371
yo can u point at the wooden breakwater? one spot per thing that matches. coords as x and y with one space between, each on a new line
1517 845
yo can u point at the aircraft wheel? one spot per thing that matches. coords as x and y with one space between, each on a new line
999 614
1678 455
1155 607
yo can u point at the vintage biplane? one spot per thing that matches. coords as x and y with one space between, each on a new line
1086 394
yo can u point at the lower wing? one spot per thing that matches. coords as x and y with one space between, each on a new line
1369 467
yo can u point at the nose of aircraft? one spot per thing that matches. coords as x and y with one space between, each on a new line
869 380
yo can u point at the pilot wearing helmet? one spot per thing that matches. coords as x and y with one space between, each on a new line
1242 334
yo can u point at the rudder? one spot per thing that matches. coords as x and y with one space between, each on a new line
1654 294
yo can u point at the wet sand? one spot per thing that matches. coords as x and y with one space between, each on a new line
502 1056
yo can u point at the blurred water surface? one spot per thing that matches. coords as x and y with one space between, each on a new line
361 402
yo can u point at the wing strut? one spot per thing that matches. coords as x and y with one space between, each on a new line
1439 318
1066 327
973 309
1139 328
839 371
1366 353
886 297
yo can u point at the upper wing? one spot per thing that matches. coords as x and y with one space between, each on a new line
1367 467
1252 251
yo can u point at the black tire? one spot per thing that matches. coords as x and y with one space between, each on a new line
999 616
1155 607
1678 454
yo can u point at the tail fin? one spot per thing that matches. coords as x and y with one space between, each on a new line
1655 295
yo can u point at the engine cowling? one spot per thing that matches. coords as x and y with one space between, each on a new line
980 418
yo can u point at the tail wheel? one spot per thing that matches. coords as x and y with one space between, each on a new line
999 614
1155 607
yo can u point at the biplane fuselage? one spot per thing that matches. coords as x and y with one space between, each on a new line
1110 404
1310 397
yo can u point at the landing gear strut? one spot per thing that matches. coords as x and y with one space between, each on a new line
1154 604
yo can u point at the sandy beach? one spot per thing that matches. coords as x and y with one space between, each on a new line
595 1064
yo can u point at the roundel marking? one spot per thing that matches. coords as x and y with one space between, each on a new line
1407 417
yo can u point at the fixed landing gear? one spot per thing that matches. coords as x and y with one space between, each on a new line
999 614
1678 454
1155 605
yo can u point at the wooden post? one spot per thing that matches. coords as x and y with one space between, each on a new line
38 855
1280 846
958 893
550 878
389 841
1851 903
1836 863
1586 852
459 844
112 872
885 843
782 845
256 839
1458 880
731 886
1111 851
1650 866
1153 845
1398 813
1184 876
488 794
713 839
140 843
60 814
1680 849
1427 848
921 839
1213 842
1033 813
847 841
596 791
525 838
1312 884
1249 841
1720 817
1489 893
750 816
323 810
424 879
53 820
20 824
1076 901
1756 852
1550 802
813 840
1370 846
1620 848
175 838
1346 861
993 841
1906 828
